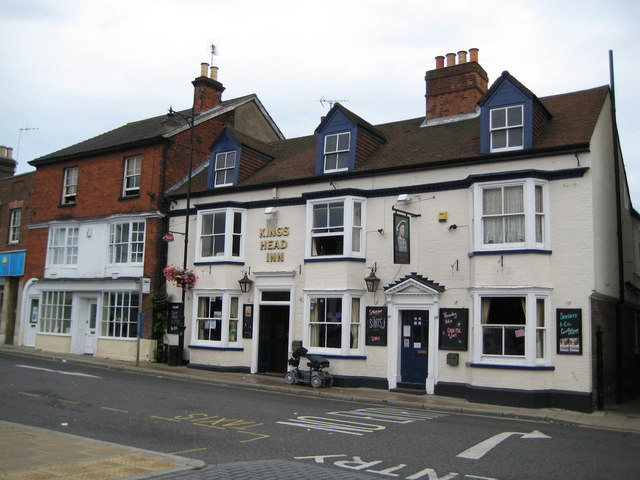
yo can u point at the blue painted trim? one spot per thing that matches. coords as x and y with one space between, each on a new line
225 143
510 252
230 349
334 259
222 262
337 123
340 357
509 367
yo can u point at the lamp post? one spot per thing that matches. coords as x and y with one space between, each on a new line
190 121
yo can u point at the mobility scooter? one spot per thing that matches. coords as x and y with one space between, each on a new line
315 376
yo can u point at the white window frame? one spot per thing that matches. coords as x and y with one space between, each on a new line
135 246
15 219
70 186
224 316
338 152
347 323
353 241
132 176
506 128
531 216
532 331
120 311
229 235
66 245
222 167
56 312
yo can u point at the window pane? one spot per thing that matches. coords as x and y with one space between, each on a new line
207 224
492 230
539 203
219 223
514 226
498 118
320 216
206 246
514 115
514 340
342 160
283 296
336 215
499 139
343 141
516 137
491 201
330 143
513 199
492 340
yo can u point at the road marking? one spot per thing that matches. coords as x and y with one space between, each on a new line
478 451
188 451
165 418
29 394
220 423
61 372
114 409
73 402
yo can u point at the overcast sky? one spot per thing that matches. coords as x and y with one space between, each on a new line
72 69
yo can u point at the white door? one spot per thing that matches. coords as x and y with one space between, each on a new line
32 325
90 330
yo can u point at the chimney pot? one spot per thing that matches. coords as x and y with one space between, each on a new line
473 54
439 61
204 67
451 59
462 56
214 73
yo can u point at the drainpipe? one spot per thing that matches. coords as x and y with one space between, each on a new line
621 276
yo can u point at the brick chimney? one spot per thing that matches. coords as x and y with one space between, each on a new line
207 90
455 89
7 163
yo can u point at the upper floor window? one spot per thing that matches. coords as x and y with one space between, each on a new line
507 128
14 225
335 227
220 235
510 215
336 152
334 322
217 318
63 246
225 168
126 242
132 171
70 185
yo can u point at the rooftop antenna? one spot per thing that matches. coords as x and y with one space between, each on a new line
214 50
330 102
26 129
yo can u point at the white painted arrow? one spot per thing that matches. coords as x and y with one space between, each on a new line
479 450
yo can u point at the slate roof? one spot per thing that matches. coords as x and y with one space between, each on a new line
408 145
142 132
418 278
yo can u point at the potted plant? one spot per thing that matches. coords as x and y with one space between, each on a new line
182 277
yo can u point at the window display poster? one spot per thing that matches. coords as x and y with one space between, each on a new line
376 328
569 331
401 239
247 320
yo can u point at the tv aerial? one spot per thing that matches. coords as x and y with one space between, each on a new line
330 102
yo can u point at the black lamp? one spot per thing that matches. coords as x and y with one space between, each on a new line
245 283
372 281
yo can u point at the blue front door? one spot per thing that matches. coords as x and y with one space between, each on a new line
413 346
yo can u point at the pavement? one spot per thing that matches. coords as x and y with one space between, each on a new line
29 453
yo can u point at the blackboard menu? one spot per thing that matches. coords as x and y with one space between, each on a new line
176 314
454 328
247 320
569 331
376 328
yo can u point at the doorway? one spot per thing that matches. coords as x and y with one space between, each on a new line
414 343
273 345
31 328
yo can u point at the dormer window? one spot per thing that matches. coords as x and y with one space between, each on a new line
225 168
336 152
507 129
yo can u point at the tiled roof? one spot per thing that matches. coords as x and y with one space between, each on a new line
408 145
145 131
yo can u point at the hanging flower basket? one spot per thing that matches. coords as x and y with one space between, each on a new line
183 278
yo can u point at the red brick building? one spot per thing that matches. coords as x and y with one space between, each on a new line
98 219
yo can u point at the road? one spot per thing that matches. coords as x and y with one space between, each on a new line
219 424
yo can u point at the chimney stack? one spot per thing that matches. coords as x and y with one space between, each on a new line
7 163
457 88
207 89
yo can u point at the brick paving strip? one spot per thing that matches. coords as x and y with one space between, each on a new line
38 454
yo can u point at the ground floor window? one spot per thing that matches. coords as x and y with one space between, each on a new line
120 314
512 327
217 318
334 322
55 313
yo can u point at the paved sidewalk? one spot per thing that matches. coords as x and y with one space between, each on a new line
29 453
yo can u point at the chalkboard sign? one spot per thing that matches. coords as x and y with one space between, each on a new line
247 320
176 314
454 328
569 331
376 331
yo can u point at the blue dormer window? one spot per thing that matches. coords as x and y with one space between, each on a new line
225 168
336 152
507 129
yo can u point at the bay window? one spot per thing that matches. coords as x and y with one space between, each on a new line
335 227
62 248
126 242
220 235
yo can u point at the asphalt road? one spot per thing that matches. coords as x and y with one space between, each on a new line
219 424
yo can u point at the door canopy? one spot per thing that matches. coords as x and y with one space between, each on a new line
414 284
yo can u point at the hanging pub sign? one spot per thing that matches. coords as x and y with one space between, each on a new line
247 320
376 328
454 328
569 331
401 239
176 314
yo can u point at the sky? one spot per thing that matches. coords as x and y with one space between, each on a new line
73 69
